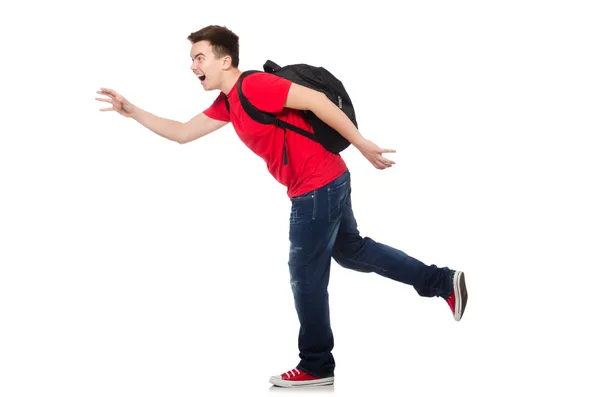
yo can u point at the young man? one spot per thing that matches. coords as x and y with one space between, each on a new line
322 224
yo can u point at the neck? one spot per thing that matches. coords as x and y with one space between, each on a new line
229 79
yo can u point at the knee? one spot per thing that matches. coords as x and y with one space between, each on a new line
349 260
349 249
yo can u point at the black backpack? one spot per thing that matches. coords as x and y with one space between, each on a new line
317 78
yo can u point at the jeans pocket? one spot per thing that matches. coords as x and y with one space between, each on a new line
336 197
303 209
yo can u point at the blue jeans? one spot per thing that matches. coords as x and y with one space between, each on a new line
322 226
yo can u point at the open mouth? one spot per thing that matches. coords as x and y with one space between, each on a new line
201 77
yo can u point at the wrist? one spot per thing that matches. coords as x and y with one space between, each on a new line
360 143
136 113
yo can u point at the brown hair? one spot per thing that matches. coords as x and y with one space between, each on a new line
223 41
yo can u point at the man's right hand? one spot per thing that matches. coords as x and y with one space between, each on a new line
118 102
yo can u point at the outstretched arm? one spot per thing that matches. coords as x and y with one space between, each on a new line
304 98
199 126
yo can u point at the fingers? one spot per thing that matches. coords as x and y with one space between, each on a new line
380 165
113 102
112 94
108 101
386 161
387 151
107 91
383 163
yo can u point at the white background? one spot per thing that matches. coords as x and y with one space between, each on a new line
132 265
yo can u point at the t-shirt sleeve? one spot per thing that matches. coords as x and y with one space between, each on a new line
266 91
218 109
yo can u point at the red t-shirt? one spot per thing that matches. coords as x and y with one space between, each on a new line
310 165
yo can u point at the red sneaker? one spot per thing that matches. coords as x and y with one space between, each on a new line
458 298
298 378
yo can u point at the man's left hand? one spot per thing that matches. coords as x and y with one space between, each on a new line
374 154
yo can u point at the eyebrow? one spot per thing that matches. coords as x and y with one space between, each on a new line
197 55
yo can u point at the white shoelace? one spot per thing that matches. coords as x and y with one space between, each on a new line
292 372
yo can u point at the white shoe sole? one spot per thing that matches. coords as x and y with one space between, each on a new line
460 292
277 381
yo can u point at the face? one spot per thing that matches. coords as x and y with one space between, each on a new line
206 65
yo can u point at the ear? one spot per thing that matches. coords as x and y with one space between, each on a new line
226 62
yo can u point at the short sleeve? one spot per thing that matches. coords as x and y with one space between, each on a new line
218 109
266 91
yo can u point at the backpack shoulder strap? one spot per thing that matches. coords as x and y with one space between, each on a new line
256 114
226 102
261 116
